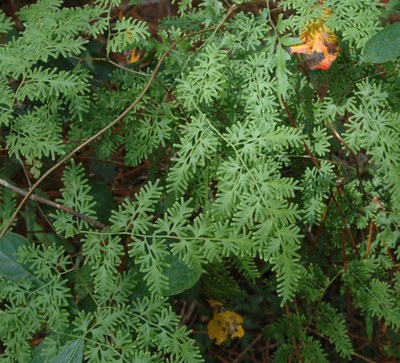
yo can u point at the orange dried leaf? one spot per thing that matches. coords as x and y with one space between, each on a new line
134 56
320 45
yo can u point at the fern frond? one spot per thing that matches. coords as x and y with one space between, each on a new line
333 327
75 195
157 326
37 134
205 80
126 33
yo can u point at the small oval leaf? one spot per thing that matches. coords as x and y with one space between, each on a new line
180 276
383 46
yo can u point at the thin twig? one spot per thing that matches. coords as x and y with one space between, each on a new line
126 69
107 60
52 204
365 359
186 318
242 354
102 131
221 359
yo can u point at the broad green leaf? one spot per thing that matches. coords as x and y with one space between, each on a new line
180 276
383 46
10 268
70 353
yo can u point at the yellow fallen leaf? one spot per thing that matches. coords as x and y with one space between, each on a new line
214 303
224 324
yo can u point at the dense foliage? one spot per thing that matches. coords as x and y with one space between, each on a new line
268 186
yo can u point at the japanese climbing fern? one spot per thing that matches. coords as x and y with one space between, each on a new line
252 177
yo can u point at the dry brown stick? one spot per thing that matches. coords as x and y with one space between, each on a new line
187 317
102 131
52 204
27 177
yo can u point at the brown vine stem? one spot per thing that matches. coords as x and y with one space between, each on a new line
370 235
353 353
293 123
344 251
111 124
348 230
52 204
351 152
115 64
323 220
317 165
